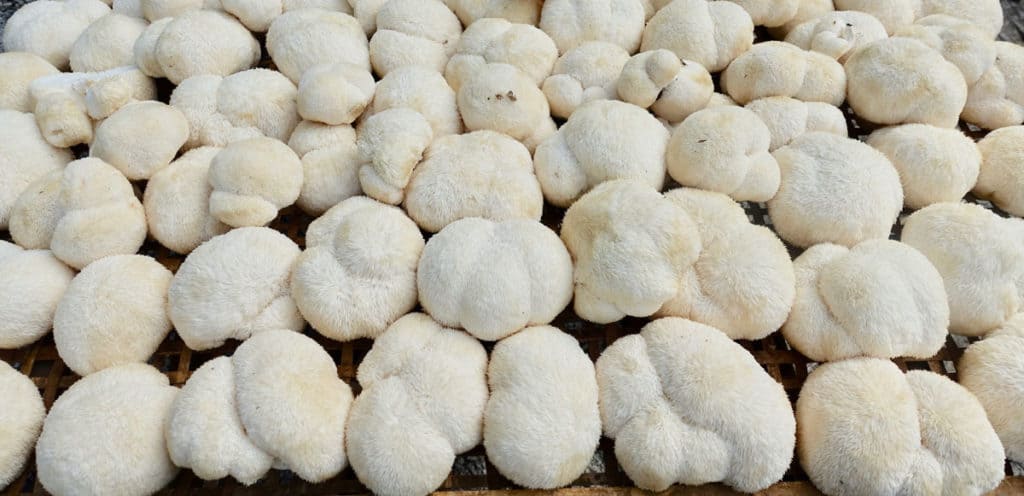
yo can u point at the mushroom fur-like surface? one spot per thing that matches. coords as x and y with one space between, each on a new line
993 370
933 432
807 10
32 283
479 174
711 33
571 23
49 28
499 97
997 99
494 278
879 299
358 272
413 32
84 213
423 399
986 14
788 118
25 157
586 73
602 141
390 144
676 400
233 286
330 164
893 14
422 90
541 425
834 190
901 80
978 255
518 11
291 402
334 94
177 202
963 44
487 41
107 43
1002 169
105 434
935 164
252 180
743 281
776 68
624 266
724 149
672 88
770 13
305 38
22 418
838 33
17 71
196 43
140 138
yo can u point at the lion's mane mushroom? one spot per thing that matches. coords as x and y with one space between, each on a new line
963 44
177 202
624 266
935 164
776 68
770 13
602 141
413 32
880 299
334 94
743 281
837 34
494 278
901 80
113 312
709 33
17 71
292 403
986 14
978 254
140 138
155 10
105 434
724 149
233 286
107 43
390 144
1002 169
675 398
807 10
422 90
330 164
518 11
365 12
993 369
586 73
204 432
997 99
49 28
489 41
25 157
498 97
252 180
834 190
928 435
788 118
358 273
302 39
423 399
32 282
571 23
893 14
541 425
672 88
479 174
84 213
22 419
198 42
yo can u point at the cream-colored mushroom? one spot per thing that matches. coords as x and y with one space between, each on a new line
935 164
24 158
775 68
107 43
17 71
334 93
390 144
986 14
893 14
770 13
252 180
32 282
330 164
177 202
422 90
489 41
518 11
788 118
711 33
963 44
837 34
807 10
196 43
586 73
413 32
997 99
49 28
23 418
672 88
498 97
1002 169
571 23
140 138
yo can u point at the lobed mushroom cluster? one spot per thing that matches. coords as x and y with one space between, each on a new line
428 139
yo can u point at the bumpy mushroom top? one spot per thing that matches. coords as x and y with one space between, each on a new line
770 13
1002 169
586 73
22 419
252 180
710 33
807 10
422 90
675 398
32 282
413 32
140 138
390 145
672 88
17 71
960 42
997 99
837 34
788 118
107 43
24 158
334 93
500 98
775 68
519 11
571 23
498 41
49 28
330 164
177 201
197 42
305 38
893 14
986 14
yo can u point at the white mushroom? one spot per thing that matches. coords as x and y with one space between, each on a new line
494 278
49 28
935 164
519 11
413 32
986 14
422 90
489 41
390 145
196 43
837 34
305 38
311 136
724 149
358 272
140 138
893 14
788 118
997 99
770 13
709 33
424 393
672 88
292 403
993 370
252 180
676 399
479 174
107 43
1002 169
927 434
834 190
105 435
233 286
23 419
541 425
84 213
901 80
155 10
365 11
25 157
498 97
743 280
807 10
334 93
979 256
245 105
177 202
586 73
631 247
330 164
775 68
17 71
32 283
602 141
963 44
571 23
113 312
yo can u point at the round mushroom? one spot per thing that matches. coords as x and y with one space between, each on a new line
838 33
32 283
140 138
586 73
672 88
107 43
17 71
519 11
334 94
711 33
49 28
25 157
252 180
390 144
196 43
571 23
893 14
413 32
963 44
788 118
177 202
498 97
305 38
1002 169
997 99
776 68
490 41
422 90
23 419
